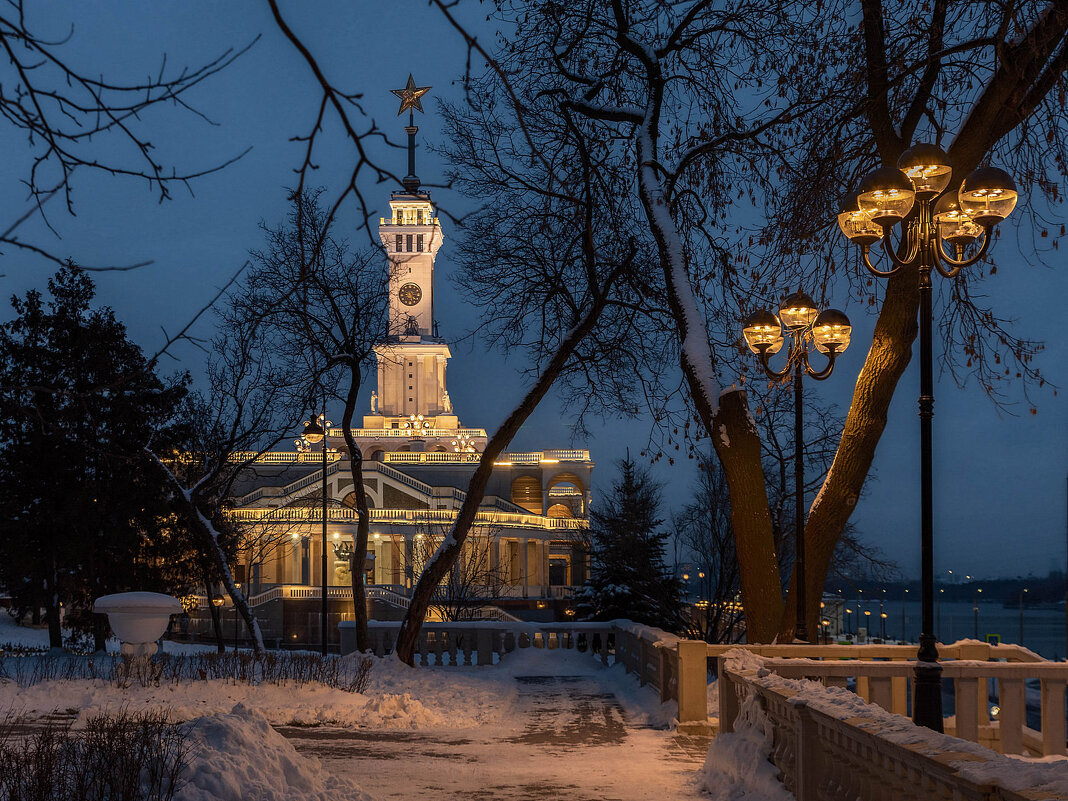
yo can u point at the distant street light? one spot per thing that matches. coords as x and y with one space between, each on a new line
1021 614
913 195
828 332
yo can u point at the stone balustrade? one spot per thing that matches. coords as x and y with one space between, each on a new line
675 667
883 673
828 748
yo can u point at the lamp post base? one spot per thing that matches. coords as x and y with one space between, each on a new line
927 686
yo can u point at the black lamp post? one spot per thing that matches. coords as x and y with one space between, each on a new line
313 433
914 195
808 327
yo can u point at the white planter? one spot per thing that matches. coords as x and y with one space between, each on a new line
138 619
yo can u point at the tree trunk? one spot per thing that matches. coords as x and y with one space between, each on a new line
216 622
199 523
363 516
439 565
737 444
51 593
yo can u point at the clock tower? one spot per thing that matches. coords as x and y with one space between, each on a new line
412 361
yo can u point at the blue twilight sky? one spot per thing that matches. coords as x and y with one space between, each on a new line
1000 479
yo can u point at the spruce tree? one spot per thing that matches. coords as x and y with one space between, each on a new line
79 402
628 576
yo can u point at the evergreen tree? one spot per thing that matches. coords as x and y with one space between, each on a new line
628 576
81 516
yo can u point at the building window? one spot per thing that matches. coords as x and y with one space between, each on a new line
410 387
408 242
409 375
419 243
419 219
410 400
398 247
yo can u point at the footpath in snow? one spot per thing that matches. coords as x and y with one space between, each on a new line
563 727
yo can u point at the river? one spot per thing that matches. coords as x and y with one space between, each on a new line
1043 629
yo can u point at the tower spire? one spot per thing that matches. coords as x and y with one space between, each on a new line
410 97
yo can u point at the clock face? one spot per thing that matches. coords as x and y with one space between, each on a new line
410 294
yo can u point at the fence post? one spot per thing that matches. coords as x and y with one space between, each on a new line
809 765
692 681
728 698
1053 723
485 646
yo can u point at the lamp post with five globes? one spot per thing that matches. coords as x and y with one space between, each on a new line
315 431
808 327
914 195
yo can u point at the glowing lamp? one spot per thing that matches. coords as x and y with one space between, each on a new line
831 332
928 167
313 432
988 196
798 311
954 226
763 332
855 224
886 195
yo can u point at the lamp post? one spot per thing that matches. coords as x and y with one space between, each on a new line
1021 614
808 327
315 431
914 195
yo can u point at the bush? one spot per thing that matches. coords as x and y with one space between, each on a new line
121 757
243 667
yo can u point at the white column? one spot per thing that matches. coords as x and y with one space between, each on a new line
524 564
409 559
545 565
420 386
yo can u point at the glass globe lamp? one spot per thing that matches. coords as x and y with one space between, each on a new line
830 332
763 332
988 196
886 195
954 226
928 167
855 224
798 311
313 432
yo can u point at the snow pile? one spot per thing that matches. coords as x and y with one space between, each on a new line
239 756
308 705
738 766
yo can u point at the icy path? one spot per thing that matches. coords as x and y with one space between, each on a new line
581 733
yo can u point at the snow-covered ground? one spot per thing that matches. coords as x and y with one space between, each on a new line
541 723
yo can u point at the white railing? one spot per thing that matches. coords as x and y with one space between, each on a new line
971 680
827 748
283 457
408 433
675 667
538 457
406 457
442 517
400 222
432 457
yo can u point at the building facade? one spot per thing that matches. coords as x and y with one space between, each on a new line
528 547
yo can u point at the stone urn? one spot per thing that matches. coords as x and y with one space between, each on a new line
138 619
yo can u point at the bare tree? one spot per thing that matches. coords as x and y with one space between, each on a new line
251 407
74 119
475 580
985 85
697 99
324 309
703 528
